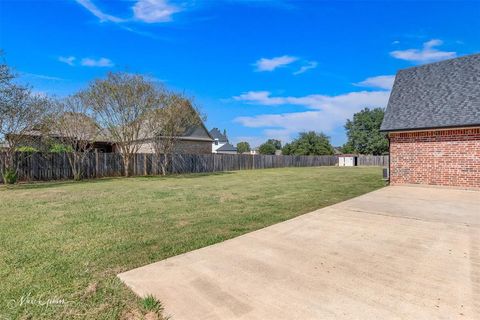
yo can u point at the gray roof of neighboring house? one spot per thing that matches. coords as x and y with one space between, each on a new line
437 95
227 147
217 134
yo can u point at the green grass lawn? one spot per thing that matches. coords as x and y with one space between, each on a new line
69 240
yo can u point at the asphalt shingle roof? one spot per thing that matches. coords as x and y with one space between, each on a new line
437 95
216 134
227 147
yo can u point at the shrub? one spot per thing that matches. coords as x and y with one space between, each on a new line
60 148
150 303
27 149
10 176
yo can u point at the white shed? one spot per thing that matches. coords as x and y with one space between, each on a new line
347 160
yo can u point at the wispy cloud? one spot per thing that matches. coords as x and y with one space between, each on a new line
265 64
326 112
310 65
381 82
90 6
87 62
149 11
428 53
41 76
102 62
68 60
153 11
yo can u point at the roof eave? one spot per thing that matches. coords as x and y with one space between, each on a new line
432 128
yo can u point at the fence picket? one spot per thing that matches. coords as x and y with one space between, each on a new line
54 166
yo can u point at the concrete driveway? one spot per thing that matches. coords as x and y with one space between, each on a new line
396 253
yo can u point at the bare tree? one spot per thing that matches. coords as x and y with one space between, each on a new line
21 111
121 103
171 120
74 127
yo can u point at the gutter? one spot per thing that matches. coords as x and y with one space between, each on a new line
463 126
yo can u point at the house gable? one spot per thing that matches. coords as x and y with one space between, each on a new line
444 94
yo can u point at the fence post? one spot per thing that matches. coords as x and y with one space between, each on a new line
144 164
97 164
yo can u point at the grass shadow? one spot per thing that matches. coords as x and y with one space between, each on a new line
29 185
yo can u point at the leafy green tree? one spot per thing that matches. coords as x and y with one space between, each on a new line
276 143
364 134
309 143
270 146
243 147
347 148
267 148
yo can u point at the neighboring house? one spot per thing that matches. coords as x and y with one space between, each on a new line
42 141
195 140
337 150
220 142
227 148
3 146
433 124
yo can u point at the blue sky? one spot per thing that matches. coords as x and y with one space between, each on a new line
260 69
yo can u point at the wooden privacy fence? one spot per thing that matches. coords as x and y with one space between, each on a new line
55 166
368 160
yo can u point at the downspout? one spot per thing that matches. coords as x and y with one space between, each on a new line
389 158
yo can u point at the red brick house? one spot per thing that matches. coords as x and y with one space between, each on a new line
433 124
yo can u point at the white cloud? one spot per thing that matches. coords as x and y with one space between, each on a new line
259 97
326 114
305 68
90 6
102 62
152 11
265 64
68 60
381 82
315 101
427 54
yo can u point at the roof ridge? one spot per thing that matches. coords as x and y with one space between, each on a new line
439 62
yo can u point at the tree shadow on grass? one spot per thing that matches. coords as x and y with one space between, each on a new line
188 175
28 185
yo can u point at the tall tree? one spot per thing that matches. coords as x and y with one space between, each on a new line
267 148
243 146
270 146
75 127
364 134
20 112
308 144
173 117
121 103
276 143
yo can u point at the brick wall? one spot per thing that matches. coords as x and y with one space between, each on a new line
194 147
183 146
437 157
